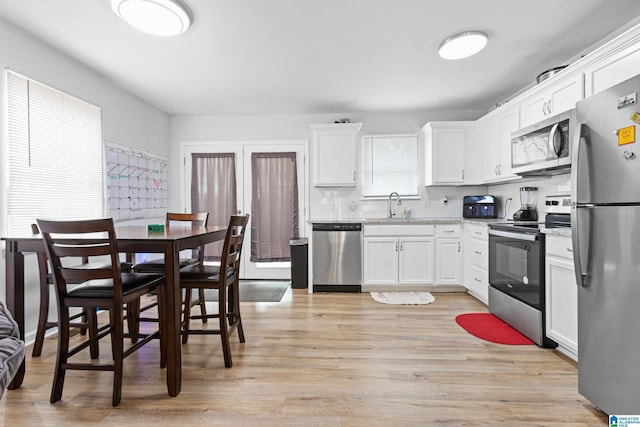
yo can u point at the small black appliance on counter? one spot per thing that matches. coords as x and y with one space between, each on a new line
479 207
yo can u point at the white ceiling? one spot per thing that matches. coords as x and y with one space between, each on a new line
324 56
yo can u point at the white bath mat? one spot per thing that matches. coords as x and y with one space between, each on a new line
403 297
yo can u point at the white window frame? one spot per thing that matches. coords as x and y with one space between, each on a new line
55 155
389 188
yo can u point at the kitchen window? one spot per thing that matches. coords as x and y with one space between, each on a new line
390 163
54 155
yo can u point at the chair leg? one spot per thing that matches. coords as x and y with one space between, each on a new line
186 315
162 327
42 319
234 309
133 322
92 321
203 306
63 351
224 328
117 345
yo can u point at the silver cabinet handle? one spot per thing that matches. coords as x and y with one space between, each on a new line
478 233
477 280
448 231
569 250
478 252
458 246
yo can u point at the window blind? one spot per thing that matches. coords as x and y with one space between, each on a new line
55 155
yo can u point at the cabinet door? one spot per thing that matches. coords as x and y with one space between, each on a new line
565 94
335 154
488 139
533 109
381 260
448 262
612 70
509 122
416 260
444 155
562 304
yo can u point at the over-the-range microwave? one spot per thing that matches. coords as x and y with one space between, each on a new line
544 147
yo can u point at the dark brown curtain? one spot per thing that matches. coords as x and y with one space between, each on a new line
213 190
274 206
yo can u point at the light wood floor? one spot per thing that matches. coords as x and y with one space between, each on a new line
324 360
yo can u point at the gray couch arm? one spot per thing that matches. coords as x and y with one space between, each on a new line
11 348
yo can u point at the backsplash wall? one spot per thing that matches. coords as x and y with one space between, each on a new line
546 185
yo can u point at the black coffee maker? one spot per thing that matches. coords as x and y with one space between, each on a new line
528 201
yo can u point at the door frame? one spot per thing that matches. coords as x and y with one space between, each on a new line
239 147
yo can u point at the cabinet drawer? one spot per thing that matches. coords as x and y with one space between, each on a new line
478 231
448 230
478 253
559 246
399 230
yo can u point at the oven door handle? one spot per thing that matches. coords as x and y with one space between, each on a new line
512 235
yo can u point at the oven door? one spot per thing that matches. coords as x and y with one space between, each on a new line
516 267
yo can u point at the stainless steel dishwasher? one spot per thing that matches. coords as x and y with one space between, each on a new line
337 257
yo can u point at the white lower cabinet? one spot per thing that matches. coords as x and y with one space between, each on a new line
448 255
476 260
561 295
398 260
398 255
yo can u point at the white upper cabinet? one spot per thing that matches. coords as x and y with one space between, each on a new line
445 152
618 66
553 99
335 154
494 137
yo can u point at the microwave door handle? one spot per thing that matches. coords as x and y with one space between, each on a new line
552 140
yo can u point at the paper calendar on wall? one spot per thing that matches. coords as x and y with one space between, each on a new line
136 182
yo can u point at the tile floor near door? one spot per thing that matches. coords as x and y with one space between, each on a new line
338 359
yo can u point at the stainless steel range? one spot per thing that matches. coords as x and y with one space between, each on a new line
516 270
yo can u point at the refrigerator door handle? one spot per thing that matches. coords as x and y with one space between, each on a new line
580 239
579 136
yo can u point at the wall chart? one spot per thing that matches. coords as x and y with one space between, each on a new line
136 182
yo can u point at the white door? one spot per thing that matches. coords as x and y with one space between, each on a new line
242 152
270 270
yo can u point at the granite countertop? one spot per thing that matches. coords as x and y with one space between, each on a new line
401 221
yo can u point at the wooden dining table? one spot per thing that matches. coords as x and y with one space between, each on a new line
131 239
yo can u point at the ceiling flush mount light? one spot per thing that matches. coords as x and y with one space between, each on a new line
463 45
157 17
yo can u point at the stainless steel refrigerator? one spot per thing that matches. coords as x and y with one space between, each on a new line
606 247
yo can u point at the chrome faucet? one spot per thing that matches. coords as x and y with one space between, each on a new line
391 214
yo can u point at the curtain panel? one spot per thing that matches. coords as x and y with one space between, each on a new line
213 190
274 210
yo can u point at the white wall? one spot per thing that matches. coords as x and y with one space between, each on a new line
324 203
126 119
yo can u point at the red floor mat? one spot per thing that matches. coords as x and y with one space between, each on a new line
488 327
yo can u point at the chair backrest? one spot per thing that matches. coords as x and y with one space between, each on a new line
86 239
232 248
198 219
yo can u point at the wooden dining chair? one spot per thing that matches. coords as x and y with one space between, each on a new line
100 285
226 280
44 324
158 266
